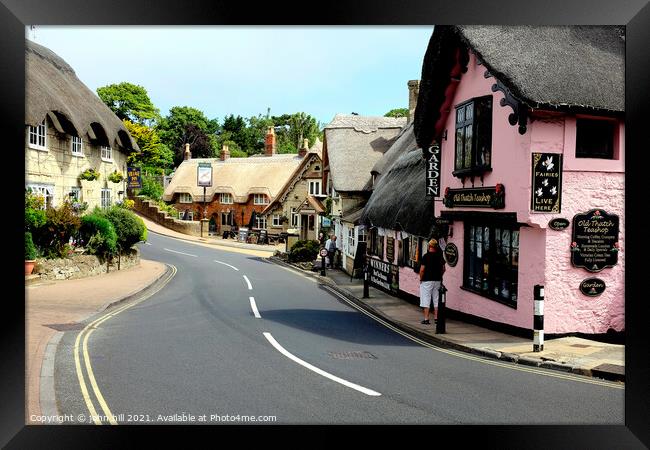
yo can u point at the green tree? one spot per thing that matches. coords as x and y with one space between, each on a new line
397 112
175 132
153 153
129 101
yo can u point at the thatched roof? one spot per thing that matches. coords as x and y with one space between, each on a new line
572 68
53 89
354 144
404 142
398 200
237 176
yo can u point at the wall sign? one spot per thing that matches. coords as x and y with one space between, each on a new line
592 287
483 197
204 174
383 275
451 254
134 179
433 171
559 224
390 249
546 191
594 243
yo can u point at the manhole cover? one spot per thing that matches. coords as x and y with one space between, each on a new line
351 355
66 326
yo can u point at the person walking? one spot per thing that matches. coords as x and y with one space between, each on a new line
432 267
330 245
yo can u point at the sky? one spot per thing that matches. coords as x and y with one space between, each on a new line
222 70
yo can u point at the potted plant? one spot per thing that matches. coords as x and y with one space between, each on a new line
116 177
89 174
30 253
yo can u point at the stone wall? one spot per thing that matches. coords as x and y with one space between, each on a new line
81 266
151 211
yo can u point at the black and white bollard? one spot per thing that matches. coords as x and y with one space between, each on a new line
538 319
366 281
442 310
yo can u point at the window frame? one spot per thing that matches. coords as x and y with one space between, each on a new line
77 140
35 131
261 220
295 218
592 121
263 201
106 150
103 200
276 220
77 193
225 198
475 122
318 183
182 198
351 241
44 190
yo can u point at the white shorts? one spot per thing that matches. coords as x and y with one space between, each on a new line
429 290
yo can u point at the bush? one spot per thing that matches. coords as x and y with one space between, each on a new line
98 235
130 228
30 248
60 225
304 251
34 214
151 188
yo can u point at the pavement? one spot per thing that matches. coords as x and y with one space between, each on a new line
52 307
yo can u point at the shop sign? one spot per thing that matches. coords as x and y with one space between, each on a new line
243 234
592 287
383 275
546 192
433 171
451 254
390 249
134 179
559 224
594 243
483 197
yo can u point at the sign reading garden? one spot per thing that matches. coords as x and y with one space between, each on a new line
595 240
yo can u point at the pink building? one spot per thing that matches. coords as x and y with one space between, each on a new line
529 176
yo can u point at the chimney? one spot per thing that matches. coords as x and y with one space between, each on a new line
414 90
269 142
188 154
304 149
225 153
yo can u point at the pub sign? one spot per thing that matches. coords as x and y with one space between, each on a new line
546 192
134 178
594 243
204 174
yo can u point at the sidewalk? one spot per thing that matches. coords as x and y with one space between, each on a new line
568 354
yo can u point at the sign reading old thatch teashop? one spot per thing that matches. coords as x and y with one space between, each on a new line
433 171
546 192
483 197
594 243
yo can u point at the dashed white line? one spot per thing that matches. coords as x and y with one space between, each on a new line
226 264
250 288
181 253
254 308
294 358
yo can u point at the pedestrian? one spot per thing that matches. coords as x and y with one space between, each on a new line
432 267
330 245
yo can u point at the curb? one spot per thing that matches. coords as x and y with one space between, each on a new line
484 352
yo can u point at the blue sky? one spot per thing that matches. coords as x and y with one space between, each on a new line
241 70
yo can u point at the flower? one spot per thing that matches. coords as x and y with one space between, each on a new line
596 213
89 174
499 188
115 177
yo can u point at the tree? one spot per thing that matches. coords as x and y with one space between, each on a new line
397 112
129 102
301 126
175 132
153 153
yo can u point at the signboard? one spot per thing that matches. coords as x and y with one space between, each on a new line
592 287
482 197
451 254
359 258
264 237
383 275
559 224
326 222
390 249
594 243
134 180
323 252
433 171
243 234
546 191
204 174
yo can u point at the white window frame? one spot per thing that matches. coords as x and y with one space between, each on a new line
184 197
295 218
38 133
44 190
74 142
277 220
315 188
362 234
104 199
351 241
225 198
107 153
260 221
260 199
77 192
190 215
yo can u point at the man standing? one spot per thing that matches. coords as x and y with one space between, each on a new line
330 245
432 267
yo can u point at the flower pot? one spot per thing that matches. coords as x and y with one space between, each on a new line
29 266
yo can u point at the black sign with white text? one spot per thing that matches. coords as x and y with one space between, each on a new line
594 243
433 171
546 187
383 275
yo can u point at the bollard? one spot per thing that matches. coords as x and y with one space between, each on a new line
442 299
323 252
366 283
538 319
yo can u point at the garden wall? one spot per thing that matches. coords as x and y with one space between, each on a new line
151 211
82 266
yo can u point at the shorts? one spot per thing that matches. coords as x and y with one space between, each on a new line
429 290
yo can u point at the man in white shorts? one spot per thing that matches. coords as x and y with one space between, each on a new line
432 266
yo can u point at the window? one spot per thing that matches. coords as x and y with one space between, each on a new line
413 254
277 220
75 194
492 262
351 242
362 234
377 243
314 187
260 221
594 139
186 215
259 199
106 198
226 199
46 191
184 197
37 136
77 146
107 153
473 136
295 218
226 218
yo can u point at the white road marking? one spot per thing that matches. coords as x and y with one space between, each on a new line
226 264
250 288
181 253
294 358
254 308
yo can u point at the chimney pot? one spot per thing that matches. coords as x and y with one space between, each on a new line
305 148
225 152
187 155
269 142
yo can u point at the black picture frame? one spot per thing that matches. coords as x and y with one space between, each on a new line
635 14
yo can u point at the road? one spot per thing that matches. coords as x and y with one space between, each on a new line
233 338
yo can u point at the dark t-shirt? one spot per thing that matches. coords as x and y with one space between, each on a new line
432 262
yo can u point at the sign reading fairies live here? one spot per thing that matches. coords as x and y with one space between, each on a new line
595 240
546 187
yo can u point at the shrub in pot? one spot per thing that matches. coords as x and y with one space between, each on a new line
30 253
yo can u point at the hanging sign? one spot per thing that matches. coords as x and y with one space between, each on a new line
594 243
558 224
134 178
451 254
592 287
204 174
546 191
433 171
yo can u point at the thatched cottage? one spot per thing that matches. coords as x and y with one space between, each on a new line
69 130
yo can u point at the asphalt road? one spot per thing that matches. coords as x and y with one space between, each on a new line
196 352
